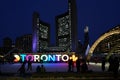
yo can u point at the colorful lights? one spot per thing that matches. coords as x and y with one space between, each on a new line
44 57
17 58
73 57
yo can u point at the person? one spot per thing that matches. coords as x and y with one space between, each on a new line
70 65
38 69
78 65
116 66
22 69
96 60
42 69
84 66
29 65
111 61
103 64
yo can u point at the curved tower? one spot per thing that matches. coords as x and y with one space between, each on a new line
34 34
73 24
66 28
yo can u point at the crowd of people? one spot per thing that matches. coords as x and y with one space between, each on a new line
113 65
22 69
80 65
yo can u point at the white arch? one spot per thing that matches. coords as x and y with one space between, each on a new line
99 40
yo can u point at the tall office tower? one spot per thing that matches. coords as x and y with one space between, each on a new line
66 28
44 36
41 34
35 27
63 31
73 23
86 38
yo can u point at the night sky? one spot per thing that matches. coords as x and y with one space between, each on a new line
16 16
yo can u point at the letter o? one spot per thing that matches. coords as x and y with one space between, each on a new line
44 56
31 57
63 57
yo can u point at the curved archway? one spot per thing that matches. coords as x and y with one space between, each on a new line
112 50
99 40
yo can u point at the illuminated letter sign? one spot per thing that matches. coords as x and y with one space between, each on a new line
44 57
65 58
51 58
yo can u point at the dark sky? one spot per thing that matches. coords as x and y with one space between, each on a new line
16 16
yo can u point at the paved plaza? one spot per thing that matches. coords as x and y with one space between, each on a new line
55 71
50 67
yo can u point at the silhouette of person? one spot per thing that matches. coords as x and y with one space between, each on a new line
116 66
84 66
110 60
29 65
42 69
103 64
38 69
78 65
22 69
70 65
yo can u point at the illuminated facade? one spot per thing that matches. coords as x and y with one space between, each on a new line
41 34
66 30
35 26
63 31
44 36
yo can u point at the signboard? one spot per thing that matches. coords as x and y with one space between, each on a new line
44 57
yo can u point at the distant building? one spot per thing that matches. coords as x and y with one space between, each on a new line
24 43
41 34
66 28
7 46
7 42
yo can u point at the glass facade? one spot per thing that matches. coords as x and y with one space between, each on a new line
41 34
63 31
63 24
66 24
43 31
66 31
43 37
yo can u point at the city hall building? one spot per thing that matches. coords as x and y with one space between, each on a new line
66 31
